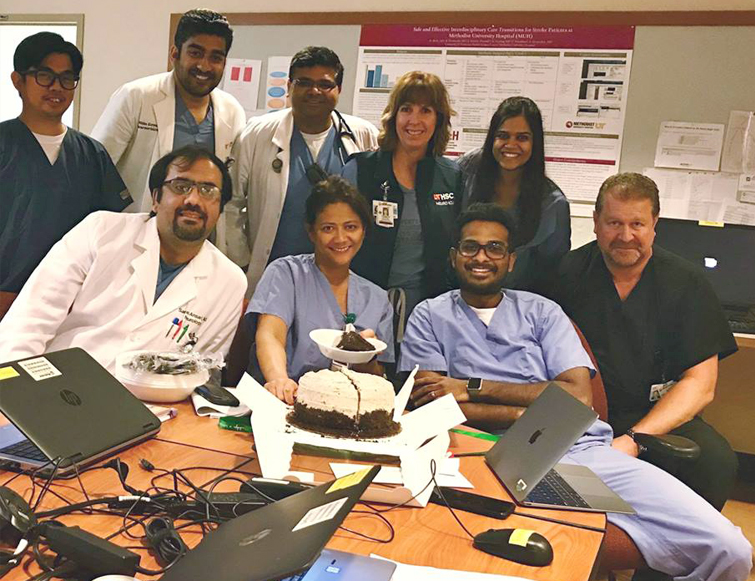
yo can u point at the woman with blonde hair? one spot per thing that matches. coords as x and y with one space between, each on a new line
414 192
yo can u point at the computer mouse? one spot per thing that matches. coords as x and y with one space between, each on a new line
16 516
519 545
218 395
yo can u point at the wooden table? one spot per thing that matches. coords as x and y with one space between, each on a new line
428 536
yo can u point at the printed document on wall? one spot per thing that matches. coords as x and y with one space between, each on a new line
701 195
739 145
242 80
578 76
689 145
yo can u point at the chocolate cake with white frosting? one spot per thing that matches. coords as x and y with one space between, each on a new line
345 403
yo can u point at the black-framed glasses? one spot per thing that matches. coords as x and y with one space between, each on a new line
494 250
47 78
307 84
183 187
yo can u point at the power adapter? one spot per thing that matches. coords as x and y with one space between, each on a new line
225 505
90 552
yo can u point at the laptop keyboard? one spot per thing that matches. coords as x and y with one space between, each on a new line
297 577
553 489
25 449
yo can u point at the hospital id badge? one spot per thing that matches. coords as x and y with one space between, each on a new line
385 213
658 390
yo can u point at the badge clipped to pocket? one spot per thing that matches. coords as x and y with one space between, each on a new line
658 390
385 213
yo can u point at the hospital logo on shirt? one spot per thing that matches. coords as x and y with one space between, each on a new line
445 199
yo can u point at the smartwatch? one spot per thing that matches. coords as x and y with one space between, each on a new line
474 386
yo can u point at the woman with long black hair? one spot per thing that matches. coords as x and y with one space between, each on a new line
509 170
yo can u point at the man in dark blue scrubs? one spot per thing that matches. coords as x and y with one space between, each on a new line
51 176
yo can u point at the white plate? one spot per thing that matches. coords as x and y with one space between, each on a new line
327 339
157 387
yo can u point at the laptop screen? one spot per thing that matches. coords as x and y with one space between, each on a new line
727 255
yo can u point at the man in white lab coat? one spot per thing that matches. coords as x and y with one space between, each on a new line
279 156
149 117
121 282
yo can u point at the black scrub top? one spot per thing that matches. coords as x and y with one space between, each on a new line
40 202
670 322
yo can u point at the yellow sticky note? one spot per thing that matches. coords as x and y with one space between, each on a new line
520 537
348 480
710 223
7 373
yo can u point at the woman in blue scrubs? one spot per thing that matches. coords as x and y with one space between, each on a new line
298 294
509 169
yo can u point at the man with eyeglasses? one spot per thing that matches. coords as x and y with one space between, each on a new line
149 117
496 350
281 155
122 282
51 176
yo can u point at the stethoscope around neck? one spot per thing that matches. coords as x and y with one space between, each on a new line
342 130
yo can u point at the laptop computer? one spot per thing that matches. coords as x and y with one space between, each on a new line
286 538
724 256
64 409
525 458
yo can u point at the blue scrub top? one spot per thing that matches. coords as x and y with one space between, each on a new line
529 339
537 259
188 132
292 237
295 290
40 201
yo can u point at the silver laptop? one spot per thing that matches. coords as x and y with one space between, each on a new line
339 566
525 458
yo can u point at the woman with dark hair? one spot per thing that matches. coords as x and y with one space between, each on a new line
415 192
509 170
301 293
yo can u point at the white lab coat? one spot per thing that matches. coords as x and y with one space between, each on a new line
259 189
137 129
95 290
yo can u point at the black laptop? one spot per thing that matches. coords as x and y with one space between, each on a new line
285 538
64 410
727 259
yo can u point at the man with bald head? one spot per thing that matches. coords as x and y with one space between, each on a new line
656 328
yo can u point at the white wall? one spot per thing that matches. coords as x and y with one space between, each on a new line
128 40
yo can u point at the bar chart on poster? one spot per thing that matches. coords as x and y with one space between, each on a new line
606 84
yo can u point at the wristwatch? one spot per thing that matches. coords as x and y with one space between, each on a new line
474 386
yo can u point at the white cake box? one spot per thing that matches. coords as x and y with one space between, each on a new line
423 438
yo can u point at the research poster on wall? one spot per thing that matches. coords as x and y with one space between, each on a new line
578 76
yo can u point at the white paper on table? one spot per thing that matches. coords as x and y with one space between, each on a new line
242 80
402 397
203 407
163 413
689 145
447 474
442 414
406 572
739 143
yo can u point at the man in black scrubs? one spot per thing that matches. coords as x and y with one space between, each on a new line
51 176
656 328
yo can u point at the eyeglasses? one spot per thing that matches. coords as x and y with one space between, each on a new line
493 250
307 84
47 78
183 187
